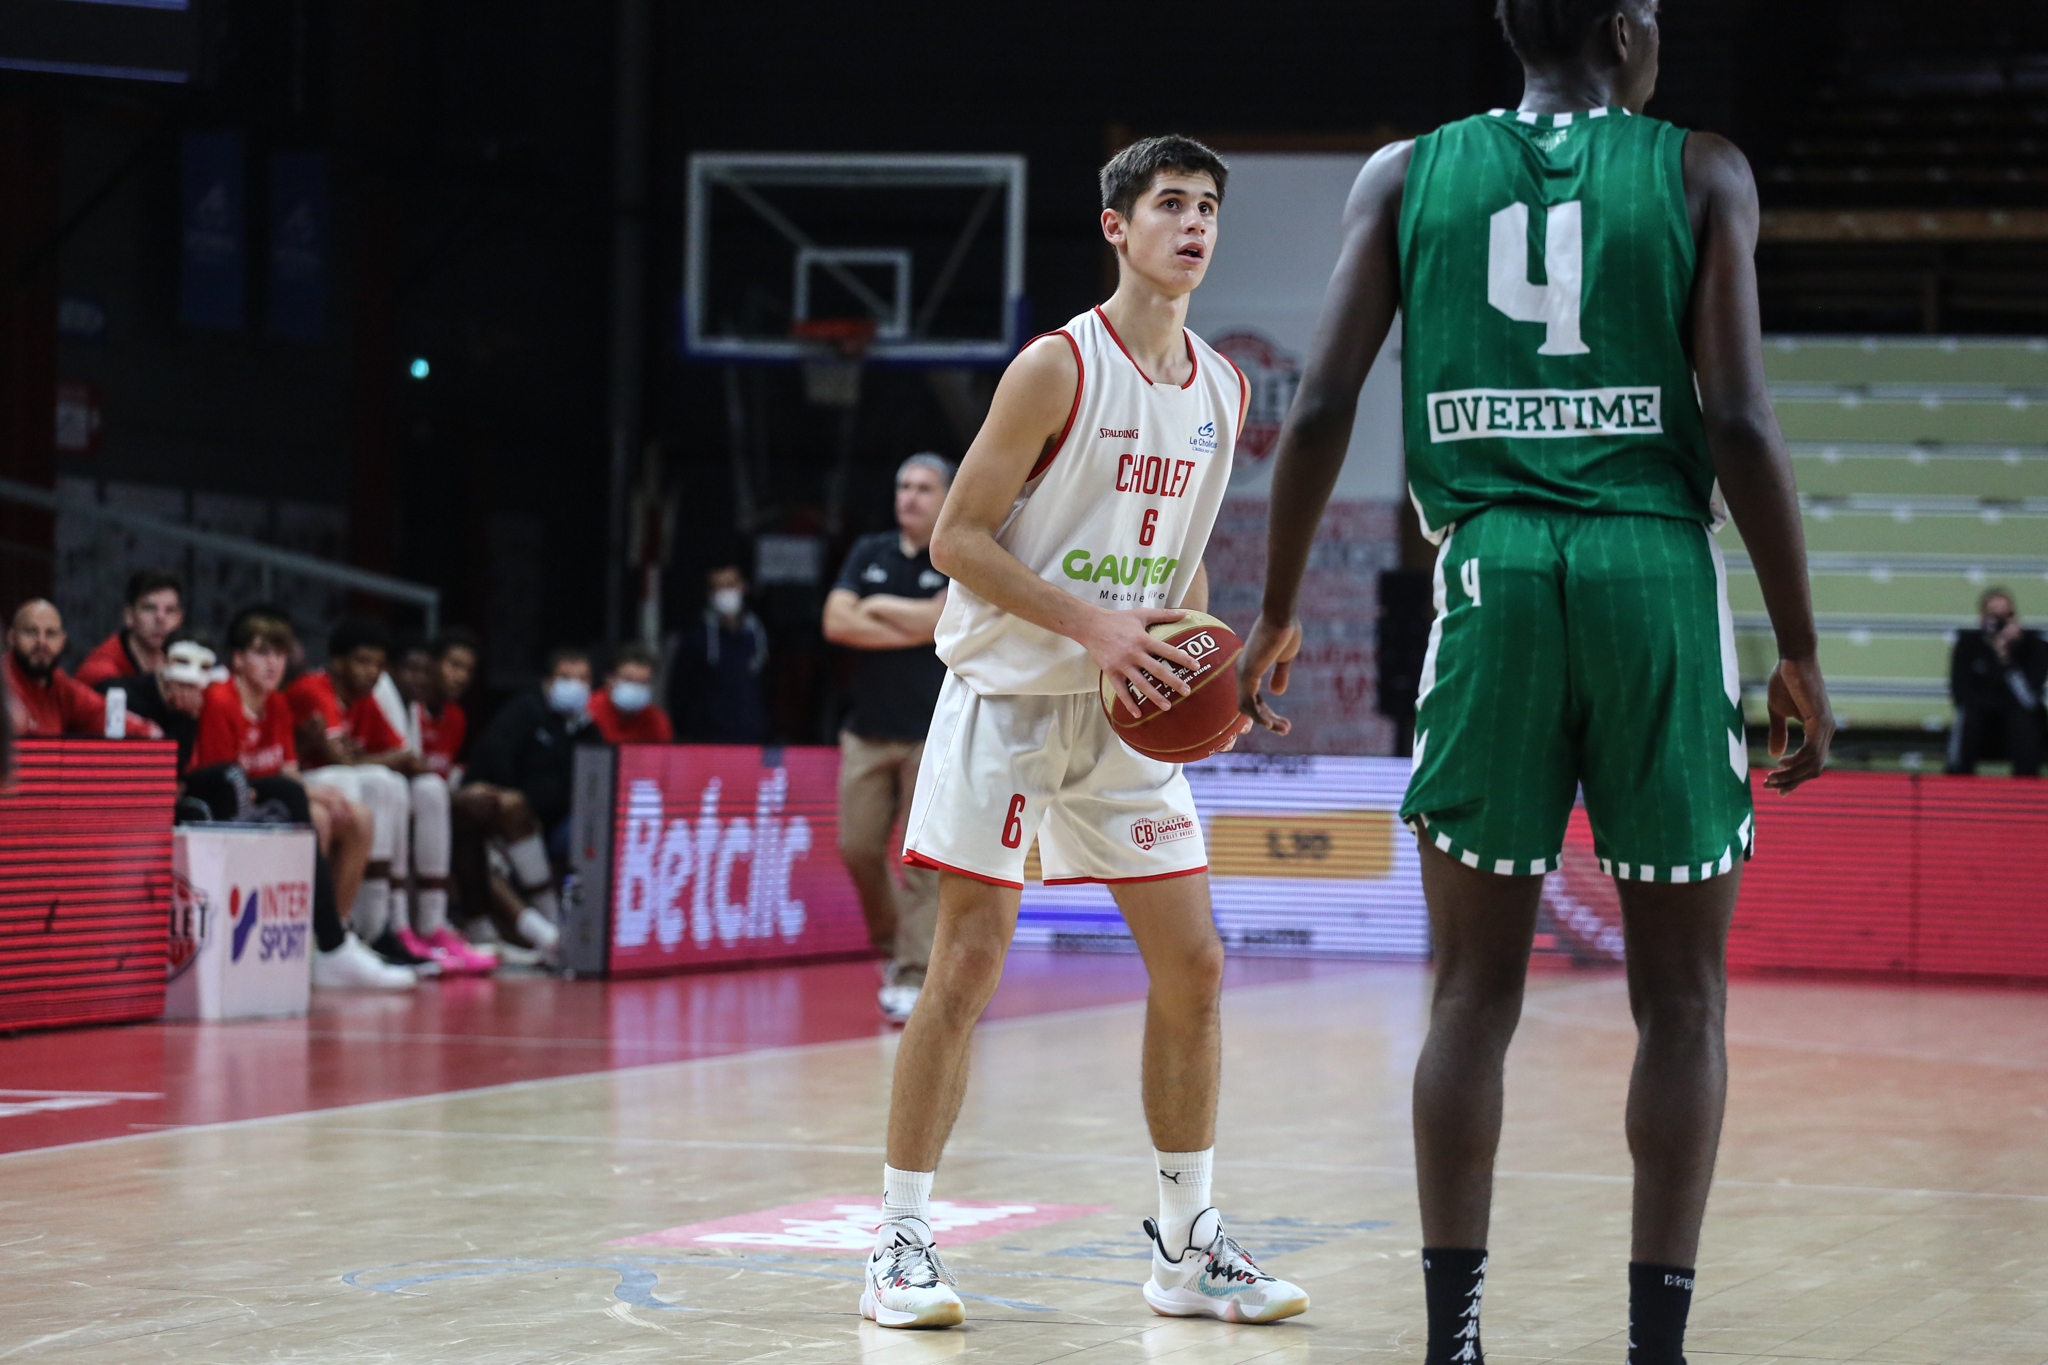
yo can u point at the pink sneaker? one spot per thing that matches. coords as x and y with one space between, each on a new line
456 949
433 952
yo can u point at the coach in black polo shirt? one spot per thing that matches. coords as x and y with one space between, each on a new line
886 604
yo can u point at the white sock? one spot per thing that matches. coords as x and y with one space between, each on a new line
906 1194
430 915
1183 1194
547 903
401 909
370 916
535 876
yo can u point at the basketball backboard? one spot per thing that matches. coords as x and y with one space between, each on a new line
929 249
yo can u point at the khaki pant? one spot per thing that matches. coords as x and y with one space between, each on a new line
876 780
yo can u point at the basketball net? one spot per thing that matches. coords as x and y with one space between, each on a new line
838 347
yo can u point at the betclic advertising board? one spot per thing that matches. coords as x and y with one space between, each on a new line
706 856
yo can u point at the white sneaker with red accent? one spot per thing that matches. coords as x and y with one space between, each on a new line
907 1284
1212 1277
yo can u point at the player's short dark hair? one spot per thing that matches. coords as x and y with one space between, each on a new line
352 633
456 637
143 582
253 629
1554 30
635 653
565 654
1984 598
1130 172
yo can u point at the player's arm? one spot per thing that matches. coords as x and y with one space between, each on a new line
1025 422
1197 598
1359 307
1749 453
846 623
311 738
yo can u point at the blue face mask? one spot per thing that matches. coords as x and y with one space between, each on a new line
629 696
568 695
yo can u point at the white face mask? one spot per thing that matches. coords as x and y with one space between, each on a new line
568 695
630 696
728 601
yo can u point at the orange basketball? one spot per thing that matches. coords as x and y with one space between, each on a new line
1198 724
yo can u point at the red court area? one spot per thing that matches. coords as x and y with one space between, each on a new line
78 1085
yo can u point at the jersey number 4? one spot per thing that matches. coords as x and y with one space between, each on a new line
1556 304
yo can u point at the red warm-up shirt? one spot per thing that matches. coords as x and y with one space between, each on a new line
362 721
62 706
109 660
229 734
648 725
441 736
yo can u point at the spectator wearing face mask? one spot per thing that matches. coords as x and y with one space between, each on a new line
172 694
1997 675
155 609
44 699
715 695
624 710
529 746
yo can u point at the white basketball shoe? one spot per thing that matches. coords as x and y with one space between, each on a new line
1212 1277
907 1284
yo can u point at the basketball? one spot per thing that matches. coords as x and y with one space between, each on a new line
1198 724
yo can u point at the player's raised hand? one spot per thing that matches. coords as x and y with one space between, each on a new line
1122 646
1797 692
1270 647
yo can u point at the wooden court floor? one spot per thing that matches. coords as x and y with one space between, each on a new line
1883 1197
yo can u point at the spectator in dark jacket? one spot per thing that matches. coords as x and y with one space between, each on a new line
171 694
715 697
1996 676
529 746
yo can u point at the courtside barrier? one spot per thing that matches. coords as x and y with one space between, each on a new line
693 856
85 881
703 856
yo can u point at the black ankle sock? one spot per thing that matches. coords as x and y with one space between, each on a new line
1658 1298
1453 1278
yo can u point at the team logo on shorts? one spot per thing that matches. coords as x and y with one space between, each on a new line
1167 828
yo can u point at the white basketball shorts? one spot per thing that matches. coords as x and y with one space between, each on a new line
1001 771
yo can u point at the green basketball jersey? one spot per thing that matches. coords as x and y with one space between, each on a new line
1546 270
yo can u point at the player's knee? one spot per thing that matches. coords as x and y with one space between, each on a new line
1685 1013
1194 974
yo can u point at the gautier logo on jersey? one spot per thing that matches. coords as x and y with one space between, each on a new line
1544 414
1148 834
1084 566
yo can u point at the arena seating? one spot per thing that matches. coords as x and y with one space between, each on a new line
1923 472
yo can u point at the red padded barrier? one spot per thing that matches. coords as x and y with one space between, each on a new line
1898 874
85 882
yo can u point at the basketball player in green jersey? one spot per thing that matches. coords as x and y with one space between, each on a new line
1566 271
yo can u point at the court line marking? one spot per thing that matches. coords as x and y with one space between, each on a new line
1082 1158
877 1039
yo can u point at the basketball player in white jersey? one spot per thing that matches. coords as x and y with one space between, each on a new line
1077 520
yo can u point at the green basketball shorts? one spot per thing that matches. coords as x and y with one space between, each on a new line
1581 651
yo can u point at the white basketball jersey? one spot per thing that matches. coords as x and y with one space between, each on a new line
1118 515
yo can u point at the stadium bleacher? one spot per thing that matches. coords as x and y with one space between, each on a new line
1923 472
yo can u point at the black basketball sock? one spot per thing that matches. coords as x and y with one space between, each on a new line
1659 1296
327 931
1453 1278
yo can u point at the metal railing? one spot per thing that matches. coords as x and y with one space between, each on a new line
269 558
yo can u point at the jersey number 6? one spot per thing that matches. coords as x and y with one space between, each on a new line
1013 827
1556 304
